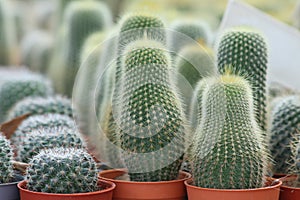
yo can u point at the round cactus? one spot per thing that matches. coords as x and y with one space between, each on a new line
285 120
62 170
6 158
42 105
245 52
228 150
151 124
19 87
35 122
46 139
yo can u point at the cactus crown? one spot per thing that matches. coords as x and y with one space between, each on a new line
6 157
62 170
46 139
228 150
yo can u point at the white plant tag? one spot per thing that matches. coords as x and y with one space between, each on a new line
283 41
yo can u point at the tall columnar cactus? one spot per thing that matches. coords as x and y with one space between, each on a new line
42 105
82 18
6 157
18 86
228 150
151 124
46 139
285 122
62 170
35 122
245 51
188 31
8 37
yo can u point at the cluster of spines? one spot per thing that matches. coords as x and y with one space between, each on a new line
6 158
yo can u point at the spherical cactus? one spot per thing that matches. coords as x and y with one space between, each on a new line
6 158
62 170
35 122
228 150
42 105
19 86
46 139
151 123
245 51
285 120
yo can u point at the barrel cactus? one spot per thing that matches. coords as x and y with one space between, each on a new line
42 105
245 51
151 123
19 86
6 158
35 122
285 120
228 150
62 170
46 139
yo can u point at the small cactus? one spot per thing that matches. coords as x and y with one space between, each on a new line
285 120
6 158
62 170
46 139
35 122
228 151
42 105
295 160
245 51
151 124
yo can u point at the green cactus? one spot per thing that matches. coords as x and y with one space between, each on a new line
151 124
35 122
245 50
277 89
42 105
6 158
8 37
193 29
284 125
16 86
82 18
61 170
41 139
228 150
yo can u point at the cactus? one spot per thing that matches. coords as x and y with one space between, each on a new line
151 122
245 50
42 105
35 122
61 170
186 31
81 20
295 160
6 158
284 125
46 139
228 150
18 86
277 89
8 37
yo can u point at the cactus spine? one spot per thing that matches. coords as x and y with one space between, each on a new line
6 157
295 161
61 170
245 50
151 122
228 150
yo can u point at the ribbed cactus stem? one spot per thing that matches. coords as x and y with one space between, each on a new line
228 151
151 122
6 158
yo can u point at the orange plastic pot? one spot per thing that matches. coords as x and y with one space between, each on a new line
131 190
269 192
105 194
287 192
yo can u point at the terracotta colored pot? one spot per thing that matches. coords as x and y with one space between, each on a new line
130 190
264 193
105 194
287 192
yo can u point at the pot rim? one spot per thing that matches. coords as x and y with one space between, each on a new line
11 183
279 184
288 176
186 174
112 187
